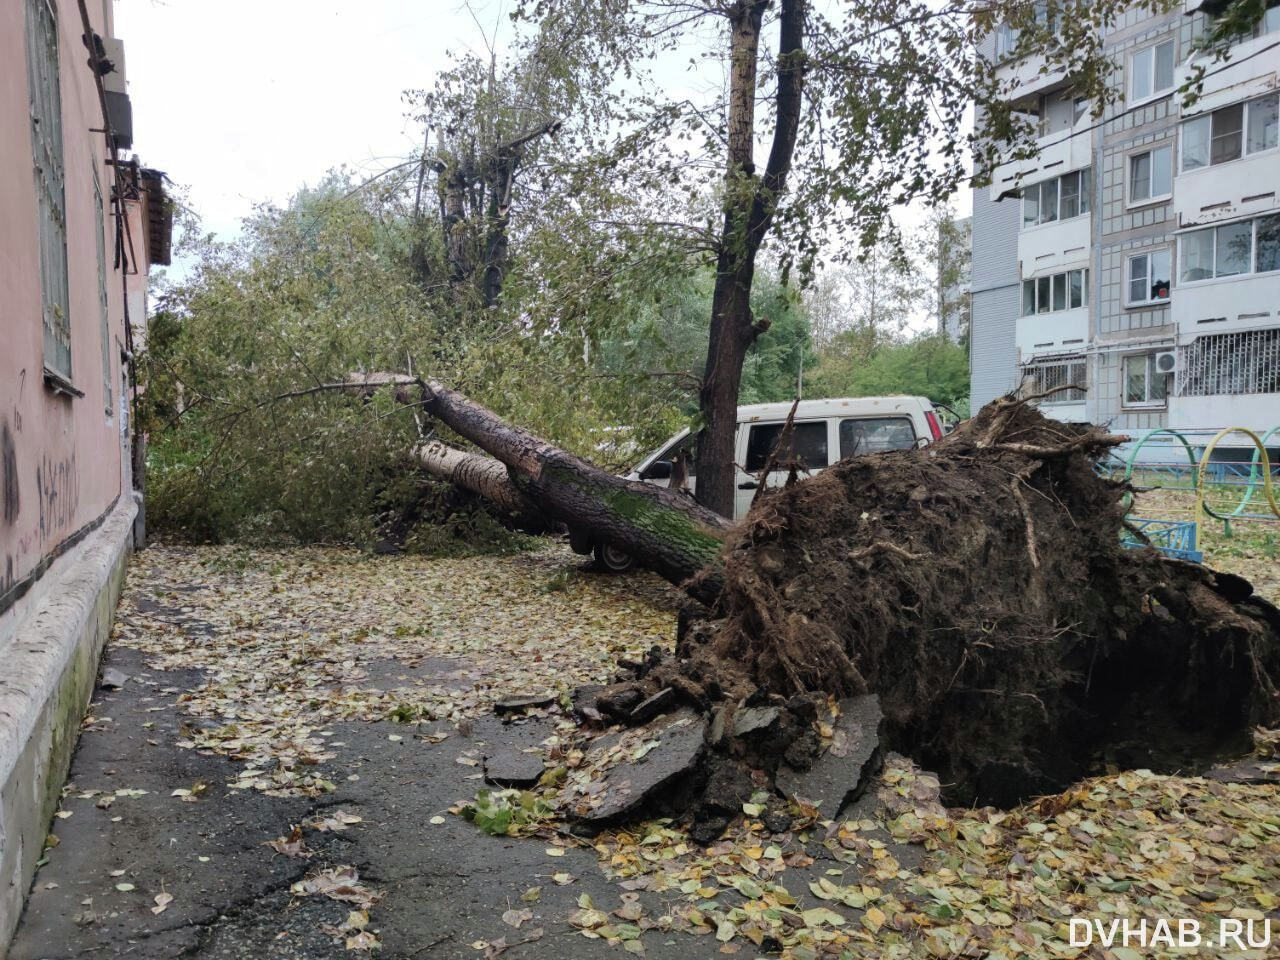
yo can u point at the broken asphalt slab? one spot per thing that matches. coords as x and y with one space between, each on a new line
843 771
625 772
508 767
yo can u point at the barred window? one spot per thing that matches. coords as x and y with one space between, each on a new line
1231 363
46 144
1050 375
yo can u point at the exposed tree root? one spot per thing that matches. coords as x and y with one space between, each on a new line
980 588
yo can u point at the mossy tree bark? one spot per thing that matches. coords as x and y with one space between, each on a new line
663 529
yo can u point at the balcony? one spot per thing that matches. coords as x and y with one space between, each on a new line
1046 333
1227 191
1250 72
1030 77
1226 304
1258 412
1054 247
1057 152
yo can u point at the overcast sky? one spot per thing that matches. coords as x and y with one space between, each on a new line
245 101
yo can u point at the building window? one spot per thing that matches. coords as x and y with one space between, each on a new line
1151 175
46 145
1151 71
1147 276
1061 291
1269 23
1066 377
1144 385
1006 41
1270 19
1059 198
1220 136
1231 364
1247 246
98 209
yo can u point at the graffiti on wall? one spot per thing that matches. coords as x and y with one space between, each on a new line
58 493
9 475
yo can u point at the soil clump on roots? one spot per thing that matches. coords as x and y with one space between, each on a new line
979 588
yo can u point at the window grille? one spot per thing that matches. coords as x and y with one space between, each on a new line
1058 373
1231 363
46 142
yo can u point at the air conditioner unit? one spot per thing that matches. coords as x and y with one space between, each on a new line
1167 361
113 82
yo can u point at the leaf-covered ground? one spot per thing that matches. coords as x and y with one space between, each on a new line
1250 548
293 769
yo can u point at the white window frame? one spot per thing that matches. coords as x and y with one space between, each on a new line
1155 93
1150 374
1129 276
1062 278
1253 270
49 162
1084 198
1006 41
1130 200
1246 107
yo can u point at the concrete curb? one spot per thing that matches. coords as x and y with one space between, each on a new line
50 665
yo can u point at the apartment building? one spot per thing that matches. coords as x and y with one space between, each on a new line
1137 257
83 222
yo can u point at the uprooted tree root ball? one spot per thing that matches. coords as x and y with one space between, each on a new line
979 587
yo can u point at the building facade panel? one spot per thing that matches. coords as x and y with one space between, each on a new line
1183 253
67 498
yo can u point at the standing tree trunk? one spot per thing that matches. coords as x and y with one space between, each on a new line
749 207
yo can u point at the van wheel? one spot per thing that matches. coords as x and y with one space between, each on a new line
613 559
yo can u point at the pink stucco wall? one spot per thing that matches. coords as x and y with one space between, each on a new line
63 460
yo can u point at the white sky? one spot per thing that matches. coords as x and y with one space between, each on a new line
246 101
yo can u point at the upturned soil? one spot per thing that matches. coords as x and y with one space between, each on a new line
980 588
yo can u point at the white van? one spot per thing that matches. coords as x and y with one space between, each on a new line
826 431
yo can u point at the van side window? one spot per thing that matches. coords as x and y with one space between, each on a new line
688 445
874 434
808 445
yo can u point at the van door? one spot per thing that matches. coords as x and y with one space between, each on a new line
809 446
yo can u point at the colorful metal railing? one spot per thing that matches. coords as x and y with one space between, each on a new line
1173 538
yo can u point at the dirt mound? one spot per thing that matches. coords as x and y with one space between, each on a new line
979 587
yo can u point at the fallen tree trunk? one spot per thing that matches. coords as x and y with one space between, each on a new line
477 473
664 529
977 586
